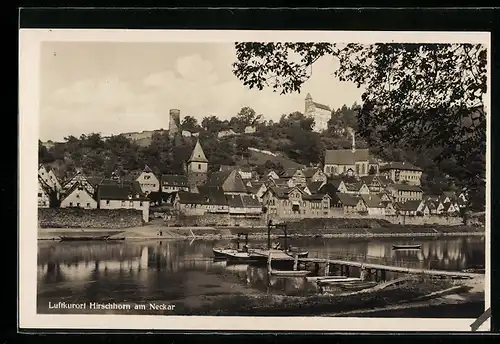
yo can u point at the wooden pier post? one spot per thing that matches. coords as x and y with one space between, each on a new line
347 270
362 274
383 275
269 258
327 268
295 262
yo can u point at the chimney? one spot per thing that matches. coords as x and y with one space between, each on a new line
353 142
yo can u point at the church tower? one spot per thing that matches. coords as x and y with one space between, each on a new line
197 166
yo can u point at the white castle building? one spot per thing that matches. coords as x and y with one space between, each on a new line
320 112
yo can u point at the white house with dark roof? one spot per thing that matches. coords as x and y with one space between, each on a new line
405 192
148 181
123 195
78 196
174 183
374 204
402 172
320 112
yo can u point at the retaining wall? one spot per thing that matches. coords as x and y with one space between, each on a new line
89 218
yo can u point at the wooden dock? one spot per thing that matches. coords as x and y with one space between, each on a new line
372 269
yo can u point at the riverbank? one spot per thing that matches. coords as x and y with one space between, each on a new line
159 232
417 293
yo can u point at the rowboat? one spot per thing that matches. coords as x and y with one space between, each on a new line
337 286
233 255
322 278
338 280
84 238
407 247
294 273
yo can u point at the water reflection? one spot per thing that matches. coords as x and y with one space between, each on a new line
180 271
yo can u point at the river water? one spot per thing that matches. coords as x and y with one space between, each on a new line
184 274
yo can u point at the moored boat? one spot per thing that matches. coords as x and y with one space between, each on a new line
83 238
294 273
407 247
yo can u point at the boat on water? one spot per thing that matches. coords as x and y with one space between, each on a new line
338 281
321 278
407 247
347 286
294 273
83 238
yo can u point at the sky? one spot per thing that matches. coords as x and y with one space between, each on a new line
112 88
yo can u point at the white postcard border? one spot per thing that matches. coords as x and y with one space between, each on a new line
29 52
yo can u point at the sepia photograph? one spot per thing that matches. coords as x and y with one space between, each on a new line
324 180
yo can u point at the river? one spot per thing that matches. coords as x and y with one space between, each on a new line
184 274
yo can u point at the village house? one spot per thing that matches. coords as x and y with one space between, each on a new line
373 182
294 177
314 174
293 202
272 174
339 185
225 133
43 194
401 172
374 204
50 178
78 197
250 129
123 195
423 209
389 210
447 209
347 161
189 203
384 196
405 192
252 205
317 205
257 188
230 182
349 204
314 187
174 183
408 208
90 184
148 181
244 205
356 188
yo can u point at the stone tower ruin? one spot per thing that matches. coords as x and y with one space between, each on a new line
174 122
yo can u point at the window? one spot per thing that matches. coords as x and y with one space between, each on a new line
78 205
123 203
88 205
70 204
77 196
140 204
107 202
131 204
199 166
39 194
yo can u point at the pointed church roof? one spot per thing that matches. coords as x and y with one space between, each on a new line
308 96
147 169
198 155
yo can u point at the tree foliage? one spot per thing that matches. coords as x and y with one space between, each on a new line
415 96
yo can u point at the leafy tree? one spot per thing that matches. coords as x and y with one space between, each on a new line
415 95
190 123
